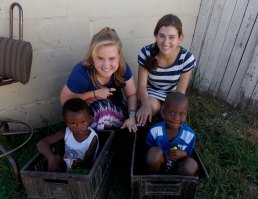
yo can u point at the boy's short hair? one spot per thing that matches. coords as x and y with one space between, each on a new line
74 105
176 97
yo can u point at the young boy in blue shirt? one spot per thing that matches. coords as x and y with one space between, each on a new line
170 143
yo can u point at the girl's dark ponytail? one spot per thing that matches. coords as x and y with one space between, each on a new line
151 62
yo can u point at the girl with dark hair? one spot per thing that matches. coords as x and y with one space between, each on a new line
164 67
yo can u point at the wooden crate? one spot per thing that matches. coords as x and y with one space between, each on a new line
163 186
39 183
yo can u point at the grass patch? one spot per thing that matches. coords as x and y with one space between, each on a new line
226 141
227 148
8 185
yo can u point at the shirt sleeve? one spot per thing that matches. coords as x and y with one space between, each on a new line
190 147
189 62
128 72
66 134
191 144
150 141
79 80
144 53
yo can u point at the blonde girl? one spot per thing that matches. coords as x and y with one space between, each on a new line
102 79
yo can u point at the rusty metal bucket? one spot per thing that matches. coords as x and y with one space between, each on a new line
15 55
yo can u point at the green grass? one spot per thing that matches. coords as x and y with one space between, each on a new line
8 185
227 144
228 147
8 188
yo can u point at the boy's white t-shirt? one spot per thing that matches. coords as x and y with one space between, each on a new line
74 149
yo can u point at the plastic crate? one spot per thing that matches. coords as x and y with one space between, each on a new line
39 183
163 186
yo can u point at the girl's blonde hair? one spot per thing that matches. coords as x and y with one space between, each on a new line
105 37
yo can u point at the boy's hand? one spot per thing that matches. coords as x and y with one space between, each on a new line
176 154
76 163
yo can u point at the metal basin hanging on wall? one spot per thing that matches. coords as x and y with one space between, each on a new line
15 55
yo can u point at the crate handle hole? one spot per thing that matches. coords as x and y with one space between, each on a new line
55 181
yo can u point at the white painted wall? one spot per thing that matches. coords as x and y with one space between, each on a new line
60 32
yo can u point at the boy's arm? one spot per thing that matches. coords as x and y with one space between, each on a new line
89 155
179 153
191 146
150 141
44 144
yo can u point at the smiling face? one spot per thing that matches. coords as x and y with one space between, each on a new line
78 123
175 113
106 60
168 39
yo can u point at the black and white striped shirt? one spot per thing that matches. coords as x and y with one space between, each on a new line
163 81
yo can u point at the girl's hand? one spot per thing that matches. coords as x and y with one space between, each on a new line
143 114
130 124
176 154
104 92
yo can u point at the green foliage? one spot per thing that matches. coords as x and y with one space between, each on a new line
8 184
229 156
2 191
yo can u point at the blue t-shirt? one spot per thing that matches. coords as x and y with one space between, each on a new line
79 80
185 139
